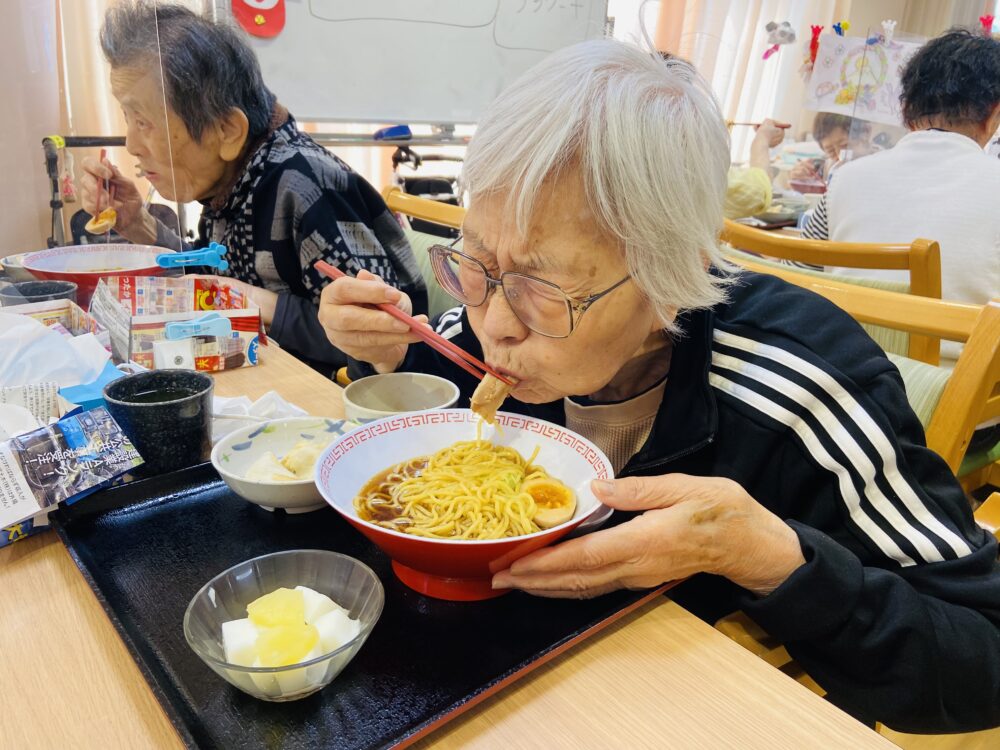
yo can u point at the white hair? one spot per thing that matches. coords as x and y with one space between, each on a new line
652 149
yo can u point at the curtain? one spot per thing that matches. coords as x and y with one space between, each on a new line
930 17
28 89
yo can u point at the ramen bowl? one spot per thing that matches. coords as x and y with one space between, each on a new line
350 583
233 456
85 265
456 569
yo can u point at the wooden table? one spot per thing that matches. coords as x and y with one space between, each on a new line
658 678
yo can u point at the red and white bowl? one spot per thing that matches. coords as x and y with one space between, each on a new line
87 264
456 569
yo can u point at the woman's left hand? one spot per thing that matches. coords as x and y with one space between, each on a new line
690 525
265 299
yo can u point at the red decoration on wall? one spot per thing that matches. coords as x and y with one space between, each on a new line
263 18
814 43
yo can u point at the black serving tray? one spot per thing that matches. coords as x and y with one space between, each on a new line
146 548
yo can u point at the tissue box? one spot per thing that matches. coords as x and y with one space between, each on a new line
137 309
66 314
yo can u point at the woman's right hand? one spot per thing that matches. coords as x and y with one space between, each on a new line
132 221
804 170
361 331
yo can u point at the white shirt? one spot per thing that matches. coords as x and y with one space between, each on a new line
934 185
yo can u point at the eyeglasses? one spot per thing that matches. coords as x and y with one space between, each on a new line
540 305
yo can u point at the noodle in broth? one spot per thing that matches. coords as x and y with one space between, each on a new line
470 490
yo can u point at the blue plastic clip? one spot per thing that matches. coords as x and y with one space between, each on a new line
208 256
394 133
211 324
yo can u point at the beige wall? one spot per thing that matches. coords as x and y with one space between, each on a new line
29 90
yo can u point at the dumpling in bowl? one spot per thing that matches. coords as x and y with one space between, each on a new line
301 459
268 468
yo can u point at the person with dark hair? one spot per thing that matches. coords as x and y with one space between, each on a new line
937 182
205 127
836 135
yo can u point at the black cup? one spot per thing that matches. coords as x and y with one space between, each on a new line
167 414
26 292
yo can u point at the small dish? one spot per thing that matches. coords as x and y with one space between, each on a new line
349 582
233 456
380 396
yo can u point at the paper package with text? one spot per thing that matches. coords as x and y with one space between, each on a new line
61 462
136 310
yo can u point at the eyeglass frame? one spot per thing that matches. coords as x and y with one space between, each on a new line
575 305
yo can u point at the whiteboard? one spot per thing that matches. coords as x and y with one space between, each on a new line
411 61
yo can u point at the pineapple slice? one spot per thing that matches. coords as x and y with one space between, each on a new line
281 607
284 645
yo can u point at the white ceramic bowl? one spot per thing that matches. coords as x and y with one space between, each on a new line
13 266
234 454
380 396
457 569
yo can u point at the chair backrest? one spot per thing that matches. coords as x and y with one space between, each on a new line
422 208
921 258
971 394
893 342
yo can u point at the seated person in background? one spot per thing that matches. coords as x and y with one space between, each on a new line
274 197
763 443
748 191
839 136
937 182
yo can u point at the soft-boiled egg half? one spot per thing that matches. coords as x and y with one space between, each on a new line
555 502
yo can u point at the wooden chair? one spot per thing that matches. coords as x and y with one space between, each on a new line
921 258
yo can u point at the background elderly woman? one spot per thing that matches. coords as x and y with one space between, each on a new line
764 440
274 197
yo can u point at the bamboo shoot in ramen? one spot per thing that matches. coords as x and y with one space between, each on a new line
470 490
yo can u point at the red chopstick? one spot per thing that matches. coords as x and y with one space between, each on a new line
97 208
456 354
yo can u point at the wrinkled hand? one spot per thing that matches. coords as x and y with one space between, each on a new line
772 132
132 217
361 331
690 525
804 170
265 299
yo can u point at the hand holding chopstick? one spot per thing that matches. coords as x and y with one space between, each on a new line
463 359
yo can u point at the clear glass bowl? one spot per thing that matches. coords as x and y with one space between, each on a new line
350 583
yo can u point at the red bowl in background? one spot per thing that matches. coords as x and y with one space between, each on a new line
457 569
87 264
808 186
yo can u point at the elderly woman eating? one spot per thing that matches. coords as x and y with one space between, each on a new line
763 443
204 127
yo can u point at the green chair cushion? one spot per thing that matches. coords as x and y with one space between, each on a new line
975 461
438 299
924 385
